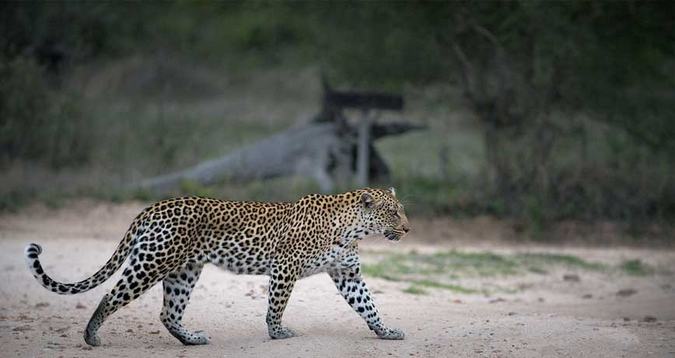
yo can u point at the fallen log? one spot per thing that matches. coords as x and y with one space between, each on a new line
301 150
323 151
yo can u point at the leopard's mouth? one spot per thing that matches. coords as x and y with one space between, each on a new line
393 235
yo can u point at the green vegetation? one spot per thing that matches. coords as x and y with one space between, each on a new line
390 268
538 260
36 122
636 268
418 288
535 110
445 270
445 286
454 264
414 290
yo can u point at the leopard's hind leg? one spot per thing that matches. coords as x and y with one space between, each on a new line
136 279
178 286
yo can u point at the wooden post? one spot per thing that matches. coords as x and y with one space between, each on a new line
363 154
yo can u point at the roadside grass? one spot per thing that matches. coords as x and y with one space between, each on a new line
415 290
537 262
445 270
450 287
636 268
471 264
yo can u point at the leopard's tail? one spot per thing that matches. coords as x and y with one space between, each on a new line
123 250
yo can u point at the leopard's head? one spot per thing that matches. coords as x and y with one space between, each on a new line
381 212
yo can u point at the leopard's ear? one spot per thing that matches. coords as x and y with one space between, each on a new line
367 200
392 191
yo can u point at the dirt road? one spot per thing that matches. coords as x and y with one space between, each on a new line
566 311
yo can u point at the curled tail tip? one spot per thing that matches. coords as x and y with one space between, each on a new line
33 250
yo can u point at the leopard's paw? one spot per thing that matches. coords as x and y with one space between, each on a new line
281 333
390 333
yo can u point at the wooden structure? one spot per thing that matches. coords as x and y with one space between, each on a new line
331 149
368 104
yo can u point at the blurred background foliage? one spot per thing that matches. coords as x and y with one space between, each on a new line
542 111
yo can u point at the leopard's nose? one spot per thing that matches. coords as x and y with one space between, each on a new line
405 228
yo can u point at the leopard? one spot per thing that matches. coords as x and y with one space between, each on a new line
172 240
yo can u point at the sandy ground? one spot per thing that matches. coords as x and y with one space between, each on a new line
548 317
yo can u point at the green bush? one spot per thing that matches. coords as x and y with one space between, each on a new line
36 122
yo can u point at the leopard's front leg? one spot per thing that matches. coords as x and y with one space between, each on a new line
282 280
349 282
